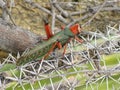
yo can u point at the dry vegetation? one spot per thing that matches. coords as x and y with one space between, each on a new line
93 64
31 18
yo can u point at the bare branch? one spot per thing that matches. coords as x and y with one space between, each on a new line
45 10
53 15
97 12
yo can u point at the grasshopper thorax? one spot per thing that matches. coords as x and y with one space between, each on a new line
76 29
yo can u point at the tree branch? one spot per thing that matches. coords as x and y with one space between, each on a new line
15 39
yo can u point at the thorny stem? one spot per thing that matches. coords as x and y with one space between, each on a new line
46 67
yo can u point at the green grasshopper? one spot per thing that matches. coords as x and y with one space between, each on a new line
43 49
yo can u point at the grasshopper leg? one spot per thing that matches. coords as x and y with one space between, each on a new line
51 49
78 39
47 29
59 45
65 49
65 46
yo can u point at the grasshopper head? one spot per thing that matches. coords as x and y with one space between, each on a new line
76 29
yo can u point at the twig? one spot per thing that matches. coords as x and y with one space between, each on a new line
111 9
96 13
62 19
53 15
11 17
95 10
80 19
45 10
76 3
63 12
78 13
2 3
6 15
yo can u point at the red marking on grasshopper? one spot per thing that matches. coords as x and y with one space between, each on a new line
48 31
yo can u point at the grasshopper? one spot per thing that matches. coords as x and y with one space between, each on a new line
43 49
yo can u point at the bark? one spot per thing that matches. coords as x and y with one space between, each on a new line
15 39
